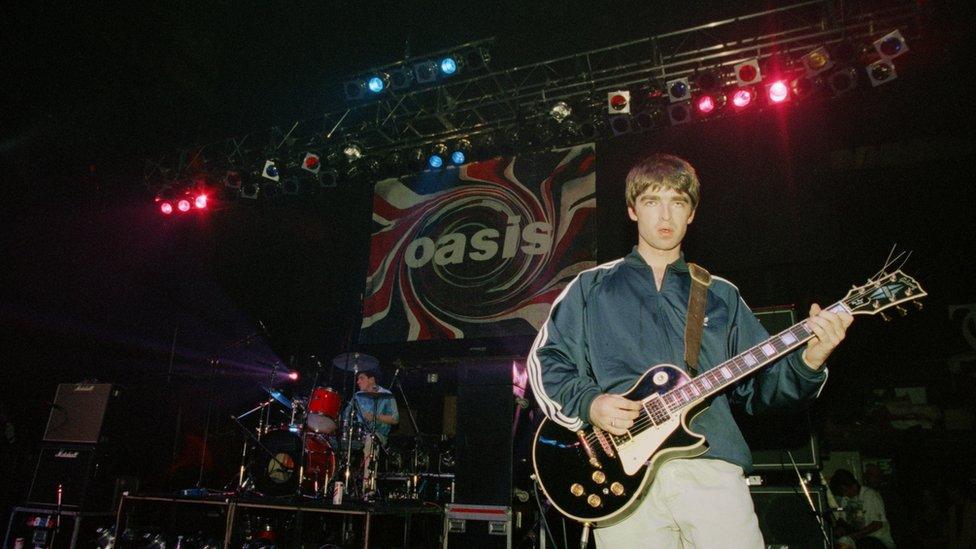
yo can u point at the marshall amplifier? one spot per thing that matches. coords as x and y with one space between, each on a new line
73 473
80 412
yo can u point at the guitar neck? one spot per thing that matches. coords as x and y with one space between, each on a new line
742 365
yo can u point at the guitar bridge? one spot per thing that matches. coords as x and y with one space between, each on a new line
601 437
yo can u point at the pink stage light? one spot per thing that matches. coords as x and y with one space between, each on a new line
166 208
293 376
778 92
200 201
183 205
706 104
742 98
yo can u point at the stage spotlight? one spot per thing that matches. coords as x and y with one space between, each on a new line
311 163
881 71
618 102
166 208
891 45
816 61
621 125
200 202
777 92
560 111
270 170
436 157
183 205
250 190
355 89
289 185
416 158
707 104
679 89
459 154
232 179
707 80
378 83
477 58
293 376
679 113
426 71
802 86
449 65
401 78
352 151
743 97
329 178
843 81
747 73
647 119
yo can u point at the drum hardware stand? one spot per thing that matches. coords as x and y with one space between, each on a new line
257 443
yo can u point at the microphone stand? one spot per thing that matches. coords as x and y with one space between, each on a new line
214 363
809 498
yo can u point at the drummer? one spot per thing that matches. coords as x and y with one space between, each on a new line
374 403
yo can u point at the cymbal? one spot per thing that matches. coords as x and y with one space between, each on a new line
353 361
276 394
374 396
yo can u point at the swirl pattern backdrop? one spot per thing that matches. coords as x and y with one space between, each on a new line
481 250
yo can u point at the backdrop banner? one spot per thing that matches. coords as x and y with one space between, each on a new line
481 250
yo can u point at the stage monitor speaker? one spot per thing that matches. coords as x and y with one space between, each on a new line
79 412
78 470
485 410
785 517
774 437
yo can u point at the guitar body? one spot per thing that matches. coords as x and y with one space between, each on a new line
570 480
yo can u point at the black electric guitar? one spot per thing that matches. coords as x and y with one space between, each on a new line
597 478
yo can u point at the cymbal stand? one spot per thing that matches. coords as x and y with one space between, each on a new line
349 420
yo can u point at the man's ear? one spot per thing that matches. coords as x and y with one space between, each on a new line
692 216
631 213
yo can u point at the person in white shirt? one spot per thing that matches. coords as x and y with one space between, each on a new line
864 509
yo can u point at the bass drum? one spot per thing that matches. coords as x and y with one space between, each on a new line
276 474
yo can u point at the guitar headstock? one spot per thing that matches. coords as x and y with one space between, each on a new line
884 292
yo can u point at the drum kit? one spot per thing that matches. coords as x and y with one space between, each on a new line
320 451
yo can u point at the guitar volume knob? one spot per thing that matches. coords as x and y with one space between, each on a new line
617 489
594 500
576 489
599 477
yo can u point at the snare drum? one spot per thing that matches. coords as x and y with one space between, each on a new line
323 410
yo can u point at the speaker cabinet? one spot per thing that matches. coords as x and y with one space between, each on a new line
786 519
79 412
77 470
774 437
485 410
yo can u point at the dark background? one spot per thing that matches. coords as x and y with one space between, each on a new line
798 204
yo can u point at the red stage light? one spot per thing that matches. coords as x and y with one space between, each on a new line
183 205
742 98
706 104
166 208
200 201
778 92
293 376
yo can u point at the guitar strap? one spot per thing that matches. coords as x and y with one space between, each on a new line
695 320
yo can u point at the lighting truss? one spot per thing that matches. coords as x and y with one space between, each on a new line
489 101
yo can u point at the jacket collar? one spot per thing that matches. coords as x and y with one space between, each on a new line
635 258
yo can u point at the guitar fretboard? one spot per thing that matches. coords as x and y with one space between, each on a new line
657 410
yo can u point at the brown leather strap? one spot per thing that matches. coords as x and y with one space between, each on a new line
695 320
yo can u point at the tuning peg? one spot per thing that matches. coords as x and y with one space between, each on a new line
901 310
885 317
918 305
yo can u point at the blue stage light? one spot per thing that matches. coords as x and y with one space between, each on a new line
448 66
376 84
457 157
435 161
